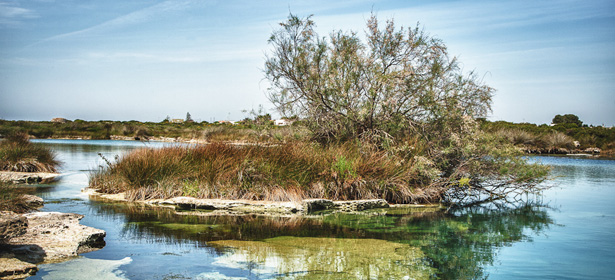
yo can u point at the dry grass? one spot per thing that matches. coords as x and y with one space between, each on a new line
518 136
284 172
18 154
557 139
11 198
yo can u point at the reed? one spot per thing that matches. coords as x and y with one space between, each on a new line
17 153
285 172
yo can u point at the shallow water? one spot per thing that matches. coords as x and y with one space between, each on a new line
567 234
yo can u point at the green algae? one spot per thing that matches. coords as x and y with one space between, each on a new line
325 258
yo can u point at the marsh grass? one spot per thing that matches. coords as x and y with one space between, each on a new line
285 172
18 154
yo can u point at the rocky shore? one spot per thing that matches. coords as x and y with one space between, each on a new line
28 177
214 207
42 237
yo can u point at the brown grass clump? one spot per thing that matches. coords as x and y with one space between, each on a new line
12 198
518 136
285 172
557 140
18 154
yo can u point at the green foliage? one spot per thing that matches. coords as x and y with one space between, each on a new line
567 119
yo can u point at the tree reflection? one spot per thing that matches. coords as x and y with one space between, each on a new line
457 244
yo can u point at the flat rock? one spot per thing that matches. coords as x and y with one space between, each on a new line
13 268
27 177
54 236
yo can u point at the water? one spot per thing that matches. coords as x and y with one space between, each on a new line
567 234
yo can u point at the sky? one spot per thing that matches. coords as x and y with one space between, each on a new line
148 59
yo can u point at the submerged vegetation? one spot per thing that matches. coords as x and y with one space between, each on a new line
17 153
392 118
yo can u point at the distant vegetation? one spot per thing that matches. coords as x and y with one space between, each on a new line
17 153
556 138
247 130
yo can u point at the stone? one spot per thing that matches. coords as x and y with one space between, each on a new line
13 268
27 177
53 236
317 204
360 205
11 225
33 201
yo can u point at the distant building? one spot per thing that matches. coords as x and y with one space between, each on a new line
283 122
177 120
59 120
227 122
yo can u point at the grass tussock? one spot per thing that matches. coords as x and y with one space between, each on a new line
18 154
285 172
12 198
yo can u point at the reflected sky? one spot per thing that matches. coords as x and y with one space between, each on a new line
567 234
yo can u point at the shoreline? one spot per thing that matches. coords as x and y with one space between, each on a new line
28 177
592 151
215 207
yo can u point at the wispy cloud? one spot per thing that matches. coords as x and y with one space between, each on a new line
11 15
137 17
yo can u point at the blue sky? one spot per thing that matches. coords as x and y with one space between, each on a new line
145 59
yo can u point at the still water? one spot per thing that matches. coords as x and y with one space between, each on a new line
568 233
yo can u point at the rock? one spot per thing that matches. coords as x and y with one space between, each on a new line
53 236
317 204
11 225
27 177
13 268
360 205
593 150
33 201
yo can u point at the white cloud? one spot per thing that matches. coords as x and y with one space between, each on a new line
11 15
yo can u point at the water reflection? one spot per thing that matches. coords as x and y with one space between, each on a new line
456 245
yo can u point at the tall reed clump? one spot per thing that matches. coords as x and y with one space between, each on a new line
17 153
284 172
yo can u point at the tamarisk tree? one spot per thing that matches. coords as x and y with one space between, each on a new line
398 81
400 90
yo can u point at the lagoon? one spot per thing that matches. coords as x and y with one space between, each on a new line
567 233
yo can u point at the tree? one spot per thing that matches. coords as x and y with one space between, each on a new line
567 118
398 91
395 83
189 118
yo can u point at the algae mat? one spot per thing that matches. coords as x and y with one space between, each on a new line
324 258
